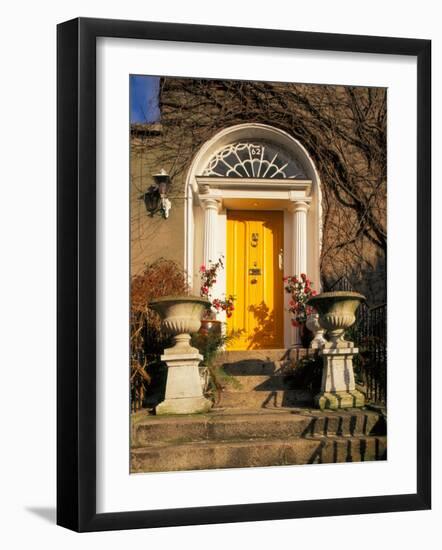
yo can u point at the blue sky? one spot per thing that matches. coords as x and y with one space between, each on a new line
144 92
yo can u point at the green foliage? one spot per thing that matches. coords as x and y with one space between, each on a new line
209 345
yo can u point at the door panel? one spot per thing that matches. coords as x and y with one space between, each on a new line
254 277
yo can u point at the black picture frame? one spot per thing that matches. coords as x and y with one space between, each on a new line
76 272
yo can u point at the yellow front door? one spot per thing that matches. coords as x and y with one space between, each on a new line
254 277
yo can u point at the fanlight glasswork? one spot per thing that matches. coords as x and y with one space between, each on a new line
253 160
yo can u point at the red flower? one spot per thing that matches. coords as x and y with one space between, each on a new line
295 323
203 268
303 276
314 293
285 279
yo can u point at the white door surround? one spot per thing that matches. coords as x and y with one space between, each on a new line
208 197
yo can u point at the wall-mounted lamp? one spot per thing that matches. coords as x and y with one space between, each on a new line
155 198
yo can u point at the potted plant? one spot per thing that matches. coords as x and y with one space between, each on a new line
209 322
213 376
300 289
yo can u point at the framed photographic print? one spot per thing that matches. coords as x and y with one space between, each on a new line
243 274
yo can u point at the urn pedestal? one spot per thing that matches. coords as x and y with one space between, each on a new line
338 390
181 316
337 313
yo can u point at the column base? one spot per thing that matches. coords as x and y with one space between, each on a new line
184 405
340 400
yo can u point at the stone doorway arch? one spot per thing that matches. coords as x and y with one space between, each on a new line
237 169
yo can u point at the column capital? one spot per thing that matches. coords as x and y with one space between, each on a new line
210 203
300 205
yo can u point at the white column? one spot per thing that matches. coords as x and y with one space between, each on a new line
299 210
211 209
299 227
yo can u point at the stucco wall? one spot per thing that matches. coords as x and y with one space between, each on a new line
153 237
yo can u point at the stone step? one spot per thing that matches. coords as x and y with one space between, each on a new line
254 367
225 425
248 358
259 383
265 399
205 455
232 356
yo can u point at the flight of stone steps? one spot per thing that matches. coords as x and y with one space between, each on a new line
261 420
244 438
261 379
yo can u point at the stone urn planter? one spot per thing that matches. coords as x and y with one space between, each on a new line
317 330
337 313
211 326
181 316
